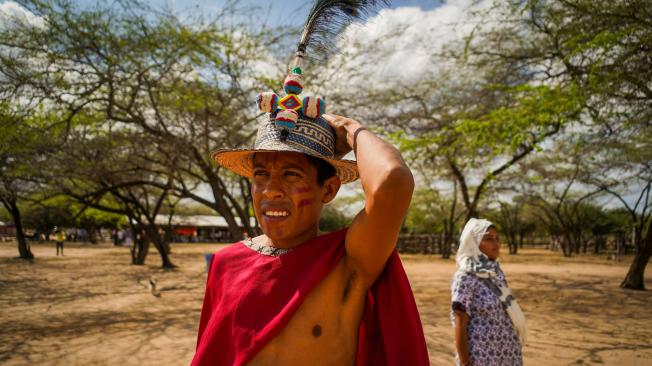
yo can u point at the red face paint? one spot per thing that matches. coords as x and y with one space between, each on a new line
304 203
303 189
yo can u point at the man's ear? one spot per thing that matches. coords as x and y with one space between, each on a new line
331 187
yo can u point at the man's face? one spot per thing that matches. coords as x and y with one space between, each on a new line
287 198
490 244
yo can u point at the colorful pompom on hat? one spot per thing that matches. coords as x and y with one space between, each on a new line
293 123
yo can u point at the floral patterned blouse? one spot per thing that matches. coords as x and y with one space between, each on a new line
492 340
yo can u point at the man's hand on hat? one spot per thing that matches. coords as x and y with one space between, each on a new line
344 129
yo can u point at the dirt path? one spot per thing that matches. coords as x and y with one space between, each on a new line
91 307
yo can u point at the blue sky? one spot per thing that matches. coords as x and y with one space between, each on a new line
294 12
278 7
275 12
264 12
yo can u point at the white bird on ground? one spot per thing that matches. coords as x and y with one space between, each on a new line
152 287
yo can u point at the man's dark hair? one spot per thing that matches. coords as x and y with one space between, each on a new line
324 169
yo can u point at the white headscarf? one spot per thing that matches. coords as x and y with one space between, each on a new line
470 259
468 254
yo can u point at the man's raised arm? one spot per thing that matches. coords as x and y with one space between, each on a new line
387 183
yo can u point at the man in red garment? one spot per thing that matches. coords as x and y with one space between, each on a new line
293 296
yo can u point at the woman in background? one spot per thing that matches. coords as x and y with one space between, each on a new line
489 325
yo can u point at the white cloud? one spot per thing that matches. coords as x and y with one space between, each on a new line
408 39
11 12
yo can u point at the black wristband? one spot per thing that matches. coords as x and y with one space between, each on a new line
355 139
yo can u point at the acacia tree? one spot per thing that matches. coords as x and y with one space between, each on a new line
516 221
553 183
41 212
205 125
624 170
110 171
510 223
434 208
23 155
187 86
430 212
12 185
469 121
477 132
603 46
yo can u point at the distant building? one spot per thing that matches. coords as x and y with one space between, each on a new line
198 228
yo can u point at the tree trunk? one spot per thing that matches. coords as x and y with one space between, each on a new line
92 234
140 246
512 242
576 240
139 250
23 246
566 246
513 247
223 209
598 244
449 226
447 243
635 279
446 249
161 246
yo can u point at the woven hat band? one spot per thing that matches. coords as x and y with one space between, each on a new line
313 136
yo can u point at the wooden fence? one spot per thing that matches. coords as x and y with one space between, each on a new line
419 243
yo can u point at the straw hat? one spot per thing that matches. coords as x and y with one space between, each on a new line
314 137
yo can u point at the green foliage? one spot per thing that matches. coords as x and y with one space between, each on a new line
333 219
24 151
188 209
616 221
64 212
5 216
424 215
533 111
603 46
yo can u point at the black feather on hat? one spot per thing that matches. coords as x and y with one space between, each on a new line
292 123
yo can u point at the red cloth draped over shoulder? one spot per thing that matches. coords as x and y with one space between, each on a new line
250 298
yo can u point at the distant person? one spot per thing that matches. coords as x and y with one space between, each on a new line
59 238
490 327
120 237
127 238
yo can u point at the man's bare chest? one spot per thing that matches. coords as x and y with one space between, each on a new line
324 328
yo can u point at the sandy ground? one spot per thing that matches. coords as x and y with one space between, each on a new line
91 307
